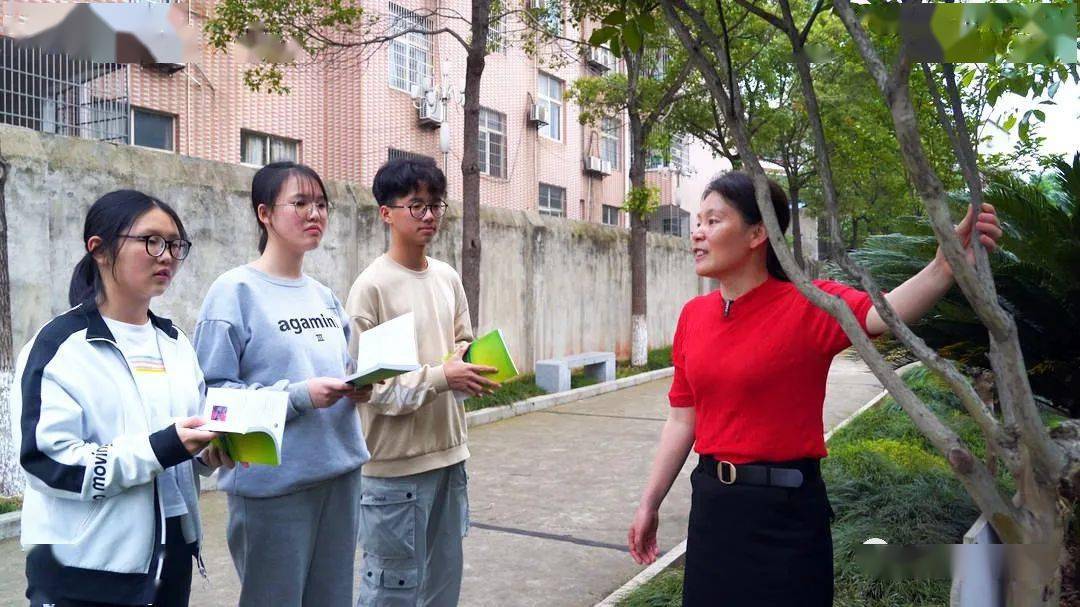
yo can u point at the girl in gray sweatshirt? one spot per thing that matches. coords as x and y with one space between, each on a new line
267 326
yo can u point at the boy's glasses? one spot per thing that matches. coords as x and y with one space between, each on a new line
419 209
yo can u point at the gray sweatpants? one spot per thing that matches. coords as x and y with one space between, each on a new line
297 549
410 531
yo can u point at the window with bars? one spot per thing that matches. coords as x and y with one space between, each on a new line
394 154
497 38
492 143
550 93
552 200
550 17
411 63
678 156
609 141
609 215
260 149
153 129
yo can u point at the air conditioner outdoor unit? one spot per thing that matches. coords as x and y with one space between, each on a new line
538 115
597 165
600 59
430 115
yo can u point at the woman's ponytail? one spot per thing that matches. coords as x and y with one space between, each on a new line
85 281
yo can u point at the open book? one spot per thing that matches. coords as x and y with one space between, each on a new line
386 350
251 423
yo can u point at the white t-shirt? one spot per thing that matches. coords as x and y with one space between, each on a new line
139 344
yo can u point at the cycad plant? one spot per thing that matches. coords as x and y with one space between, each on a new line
1037 272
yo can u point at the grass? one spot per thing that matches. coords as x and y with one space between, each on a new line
885 480
524 386
664 590
10 504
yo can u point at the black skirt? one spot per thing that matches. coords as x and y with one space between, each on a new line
757 546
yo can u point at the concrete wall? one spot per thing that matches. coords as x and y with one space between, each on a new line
554 286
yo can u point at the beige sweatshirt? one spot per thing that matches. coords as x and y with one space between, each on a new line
413 423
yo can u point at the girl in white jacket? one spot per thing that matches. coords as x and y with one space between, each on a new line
110 512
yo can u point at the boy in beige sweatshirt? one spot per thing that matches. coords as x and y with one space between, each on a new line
414 507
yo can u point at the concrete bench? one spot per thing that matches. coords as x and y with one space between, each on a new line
553 374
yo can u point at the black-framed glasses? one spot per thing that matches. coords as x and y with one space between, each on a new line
419 209
304 208
156 245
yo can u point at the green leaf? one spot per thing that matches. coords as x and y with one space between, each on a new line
1041 115
1053 89
646 23
602 35
632 37
615 46
615 18
1010 122
965 81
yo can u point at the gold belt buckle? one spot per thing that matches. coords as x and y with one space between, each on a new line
720 472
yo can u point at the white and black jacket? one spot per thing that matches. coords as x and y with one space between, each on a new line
92 517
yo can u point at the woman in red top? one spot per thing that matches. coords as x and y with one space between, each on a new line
751 360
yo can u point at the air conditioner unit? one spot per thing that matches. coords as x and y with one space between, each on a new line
597 165
538 115
600 59
430 115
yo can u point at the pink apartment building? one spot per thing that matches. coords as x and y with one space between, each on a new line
347 116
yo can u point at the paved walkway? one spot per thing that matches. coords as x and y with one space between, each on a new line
552 494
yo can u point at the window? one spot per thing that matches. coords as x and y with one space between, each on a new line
394 154
410 54
497 36
609 141
609 215
259 149
550 93
678 156
670 226
552 200
153 129
550 17
492 143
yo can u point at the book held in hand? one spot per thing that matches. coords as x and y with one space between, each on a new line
385 351
490 350
250 423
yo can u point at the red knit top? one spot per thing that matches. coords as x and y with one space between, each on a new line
756 375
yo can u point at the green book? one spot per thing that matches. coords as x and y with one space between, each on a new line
250 423
490 350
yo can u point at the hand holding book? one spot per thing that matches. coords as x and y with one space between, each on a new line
467 377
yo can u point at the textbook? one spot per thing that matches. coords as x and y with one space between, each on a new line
491 351
386 350
251 423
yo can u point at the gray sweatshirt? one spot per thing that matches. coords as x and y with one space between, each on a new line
257 331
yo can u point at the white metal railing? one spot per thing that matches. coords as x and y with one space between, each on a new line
55 93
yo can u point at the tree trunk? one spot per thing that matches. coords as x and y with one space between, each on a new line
10 476
639 335
796 229
470 171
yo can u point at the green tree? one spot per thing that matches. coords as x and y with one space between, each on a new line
653 78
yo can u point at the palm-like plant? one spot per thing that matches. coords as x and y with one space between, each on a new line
1037 271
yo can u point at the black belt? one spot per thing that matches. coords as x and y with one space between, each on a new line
783 474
